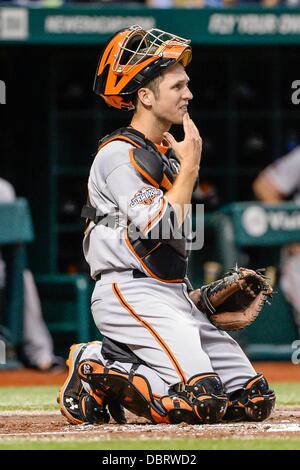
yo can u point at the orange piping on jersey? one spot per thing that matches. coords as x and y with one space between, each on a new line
155 217
144 265
151 330
119 137
141 171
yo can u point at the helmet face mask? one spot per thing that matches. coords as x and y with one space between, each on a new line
130 51
132 58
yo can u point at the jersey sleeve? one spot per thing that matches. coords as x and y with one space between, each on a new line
285 173
145 206
141 202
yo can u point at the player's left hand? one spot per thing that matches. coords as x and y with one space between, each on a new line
235 301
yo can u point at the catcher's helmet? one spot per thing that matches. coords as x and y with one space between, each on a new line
133 57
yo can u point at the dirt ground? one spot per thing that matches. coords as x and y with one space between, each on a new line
51 426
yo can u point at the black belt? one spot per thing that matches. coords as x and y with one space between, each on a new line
136 274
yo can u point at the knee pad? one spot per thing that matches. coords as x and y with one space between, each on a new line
255 401
206 395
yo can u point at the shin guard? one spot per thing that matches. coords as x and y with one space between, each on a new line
255 401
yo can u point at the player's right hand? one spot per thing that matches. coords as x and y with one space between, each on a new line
189 150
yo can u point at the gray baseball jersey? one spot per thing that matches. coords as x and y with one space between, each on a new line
156 319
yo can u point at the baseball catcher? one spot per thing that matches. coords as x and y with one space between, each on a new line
164 355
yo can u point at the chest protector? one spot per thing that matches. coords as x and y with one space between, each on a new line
165 260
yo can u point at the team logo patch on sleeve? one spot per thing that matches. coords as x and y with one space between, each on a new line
145 196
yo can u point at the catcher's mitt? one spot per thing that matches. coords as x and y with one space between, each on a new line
234 302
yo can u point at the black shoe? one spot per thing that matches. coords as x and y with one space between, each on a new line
72 390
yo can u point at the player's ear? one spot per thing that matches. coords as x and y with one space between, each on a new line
145 95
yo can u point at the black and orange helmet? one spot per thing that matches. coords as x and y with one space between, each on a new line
133 57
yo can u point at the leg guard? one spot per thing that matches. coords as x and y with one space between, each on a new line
206 395
131 390
201 400
254 402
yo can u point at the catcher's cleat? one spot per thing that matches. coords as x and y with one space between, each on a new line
79 406
72 390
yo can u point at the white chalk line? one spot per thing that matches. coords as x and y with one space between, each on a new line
29 413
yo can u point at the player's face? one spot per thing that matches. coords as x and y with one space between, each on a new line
174 95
